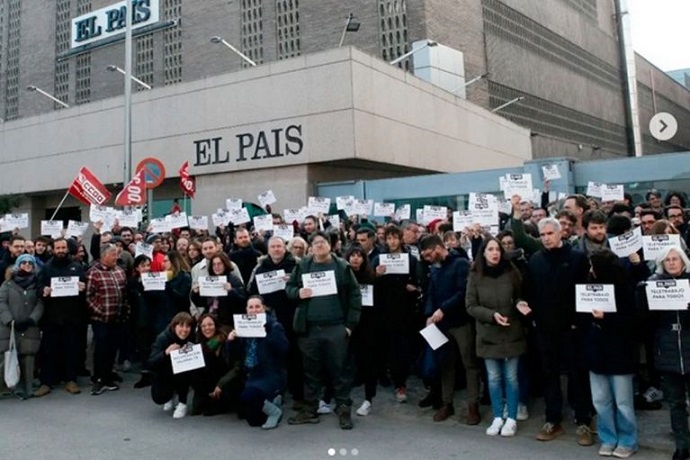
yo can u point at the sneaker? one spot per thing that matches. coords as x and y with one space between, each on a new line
550 431
345 417
180 410
170 405
606 450
509 428
111 386
42 391
584 435
97 388
401 395
523 412
623 452
653 394
304 416
505 411
324 408
364 409
72 388
495 427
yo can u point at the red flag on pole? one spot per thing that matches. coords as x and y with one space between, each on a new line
88 189
134 193
187 183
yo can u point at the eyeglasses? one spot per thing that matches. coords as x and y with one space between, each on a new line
671 216
319 243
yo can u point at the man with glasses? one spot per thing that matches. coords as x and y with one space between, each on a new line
676 216
16 248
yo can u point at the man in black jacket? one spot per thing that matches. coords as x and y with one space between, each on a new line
245 256
62 323
553 273
14 250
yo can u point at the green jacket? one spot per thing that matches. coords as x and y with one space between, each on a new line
348 292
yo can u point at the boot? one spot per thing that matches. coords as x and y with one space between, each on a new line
433 399
274 415
473 417
345 417
27 370
444 412
144 381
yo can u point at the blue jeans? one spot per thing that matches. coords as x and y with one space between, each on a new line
503 377
613 400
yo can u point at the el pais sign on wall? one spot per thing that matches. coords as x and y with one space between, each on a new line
110 21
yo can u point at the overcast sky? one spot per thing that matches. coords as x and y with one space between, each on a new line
661 32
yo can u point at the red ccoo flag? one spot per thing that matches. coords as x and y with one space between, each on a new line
134 193
187 183
88 189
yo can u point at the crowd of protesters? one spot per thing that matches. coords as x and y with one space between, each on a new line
505 303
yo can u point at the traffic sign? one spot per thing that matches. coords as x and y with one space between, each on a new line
154 171
663 126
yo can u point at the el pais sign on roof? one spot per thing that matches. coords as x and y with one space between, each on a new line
110 21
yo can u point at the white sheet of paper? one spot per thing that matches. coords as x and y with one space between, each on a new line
320 283
367 294
239 216
233 203
342 202
627 243
76 228
99 213
318 204
143 249
334 219
212 286
384 209
431 213
154 281
613 192
160 225
187 358
462 220
19 221
594 189
266 198
177 220
396 264
668 294
285 231
250 326
551 172
653 245
198 222
403 212
291 215
485 214
590 297
433 336
263 223
363 207
127 218
51 228
518 184
220 218
64 286
270 281
502 183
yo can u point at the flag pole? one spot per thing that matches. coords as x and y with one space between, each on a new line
60 205
184 201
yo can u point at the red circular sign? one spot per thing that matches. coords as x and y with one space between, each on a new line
154 171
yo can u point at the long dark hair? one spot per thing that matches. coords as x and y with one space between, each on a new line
607 267
480 266
365 272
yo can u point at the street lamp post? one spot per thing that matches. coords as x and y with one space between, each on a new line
128 95
429 43
48 95
234 50
351 25
114 68
511 102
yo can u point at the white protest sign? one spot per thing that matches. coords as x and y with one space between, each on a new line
76 228
285 231
160 225
320 283
291 215
594 189
154 281
551 172
612 192
177 220
233 203
485 214
187 358
505 206
363 207
518 184
198 222
127 218
318 205
266 198
19 221
419 216
263 223
502 183
367 294
627 243
671 294
64 286
384 209
342 202
654 245
239 216
396 264
143 249
431 213
270 281
462 220
212 286
52 228
334 219
433 336
590 297
220 219
99 213
403 212
250 326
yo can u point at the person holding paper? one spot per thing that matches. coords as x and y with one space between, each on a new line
223 307
194 255
156 241
209 248
178 284
17 247
595 238
21 304
264 366
611 353
62 322
445 306
324 324
494 299
672 346
167 388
